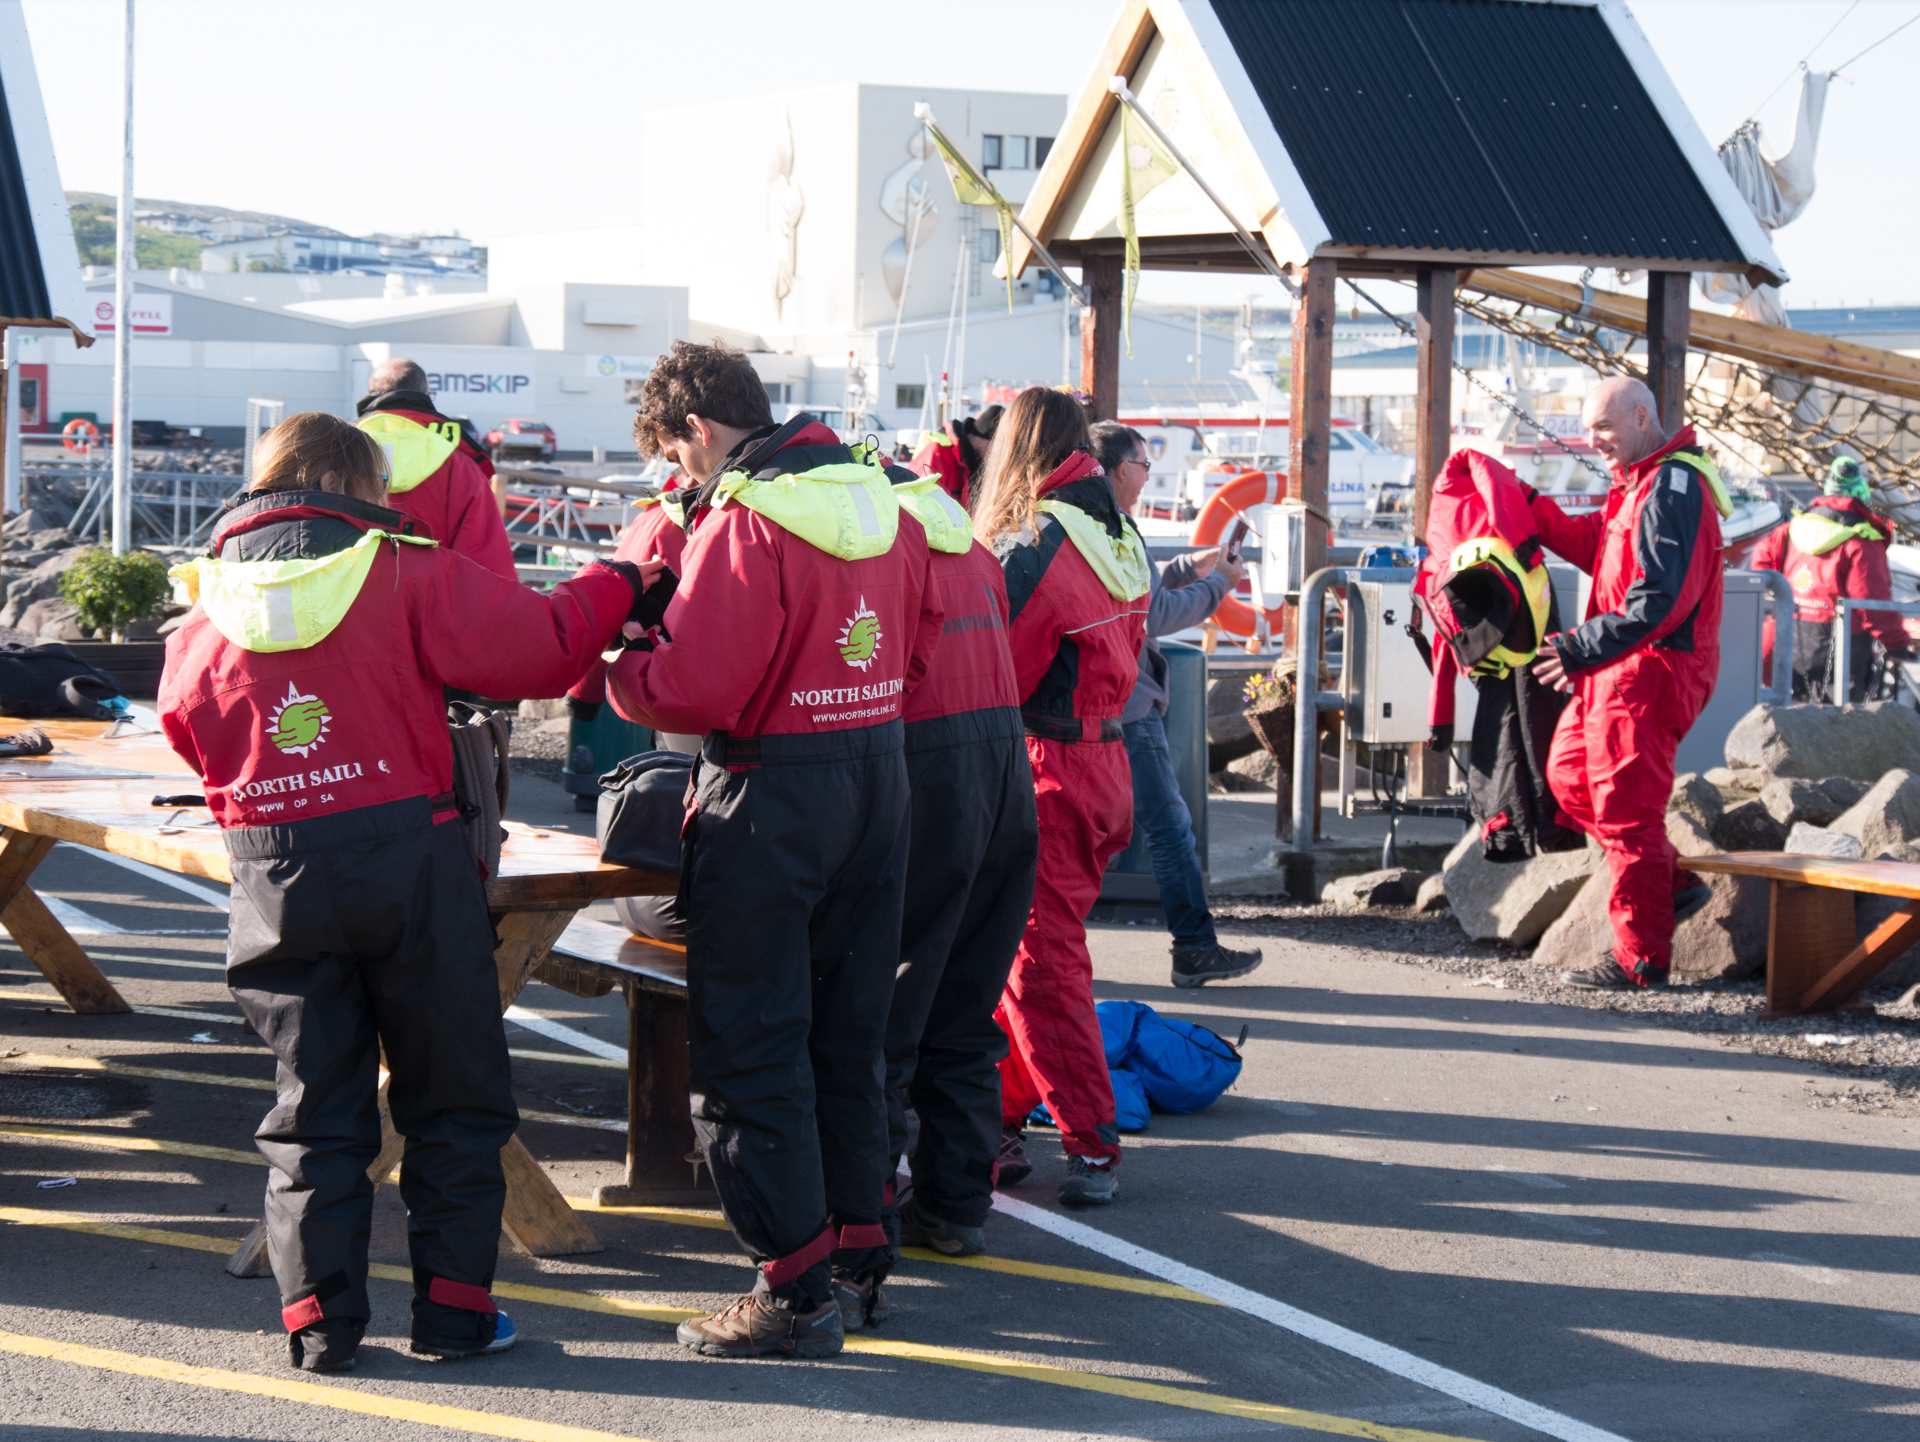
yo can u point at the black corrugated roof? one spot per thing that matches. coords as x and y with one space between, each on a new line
1473 125
23 280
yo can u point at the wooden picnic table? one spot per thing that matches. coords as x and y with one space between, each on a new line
97 790
1813 963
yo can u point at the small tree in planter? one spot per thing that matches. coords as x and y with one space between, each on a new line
111 592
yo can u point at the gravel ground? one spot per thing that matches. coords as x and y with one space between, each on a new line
1877 1056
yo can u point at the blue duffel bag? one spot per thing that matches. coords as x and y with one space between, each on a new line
1172 1064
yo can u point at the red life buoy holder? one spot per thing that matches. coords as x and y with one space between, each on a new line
80 435
1228 504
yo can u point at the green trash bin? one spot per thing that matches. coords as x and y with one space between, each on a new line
1130 874
594 748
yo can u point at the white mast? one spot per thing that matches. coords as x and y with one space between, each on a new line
123 265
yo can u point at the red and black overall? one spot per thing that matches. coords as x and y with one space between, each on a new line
1076 625
1642 665
969 884
441 477
305 689
1835 548
803 618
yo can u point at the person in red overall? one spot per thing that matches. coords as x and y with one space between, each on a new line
1836 547
959 457
439 474
802 619
1640 668
969 889
1077 591
305 689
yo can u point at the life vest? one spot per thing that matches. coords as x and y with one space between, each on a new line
1484 585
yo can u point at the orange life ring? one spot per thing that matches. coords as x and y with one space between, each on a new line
88 432
1230 502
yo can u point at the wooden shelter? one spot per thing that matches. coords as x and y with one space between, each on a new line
1405 139
39 266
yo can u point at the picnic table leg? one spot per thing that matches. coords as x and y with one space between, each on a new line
537 1218
1809 937
66 967
664 1167
1836 990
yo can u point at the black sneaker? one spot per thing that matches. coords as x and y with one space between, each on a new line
326 1346
1088 1185
1609 975
920 1228
1198 965
1011 1167
1691 898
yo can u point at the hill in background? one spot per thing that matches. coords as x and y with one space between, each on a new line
95 216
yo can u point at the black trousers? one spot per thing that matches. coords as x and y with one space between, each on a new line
969 888
350 934
792 874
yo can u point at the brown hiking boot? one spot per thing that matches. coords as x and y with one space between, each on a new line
753 1328
1011 1167
862 1303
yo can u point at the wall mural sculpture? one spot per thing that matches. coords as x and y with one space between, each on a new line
785 205
905 201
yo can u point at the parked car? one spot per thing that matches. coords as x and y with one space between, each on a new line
521 438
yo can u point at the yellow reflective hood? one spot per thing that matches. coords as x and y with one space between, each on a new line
417 450
673 502
1710 473
846 509
1119 561
283 605
946 523
1816 535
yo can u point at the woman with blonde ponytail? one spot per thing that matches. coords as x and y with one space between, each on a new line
1077 592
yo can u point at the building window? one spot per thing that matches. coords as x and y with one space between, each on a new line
990 146
989 244
1016 152
1042 148
909 398
778 392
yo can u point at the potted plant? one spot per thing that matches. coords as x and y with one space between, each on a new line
112 592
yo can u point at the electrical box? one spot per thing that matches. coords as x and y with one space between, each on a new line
1387 681
1283 553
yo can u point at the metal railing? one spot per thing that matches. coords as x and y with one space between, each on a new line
173 508
1840 688
560 513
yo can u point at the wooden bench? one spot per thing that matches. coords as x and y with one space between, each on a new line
591 958
1813 964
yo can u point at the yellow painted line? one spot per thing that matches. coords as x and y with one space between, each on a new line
128 956
1183 1397
1186 1397
566 1056
339 1397
156 1073
126 1142
8 994
75 1222
1074 1276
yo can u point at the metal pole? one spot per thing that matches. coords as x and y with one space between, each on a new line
11 501
1780 693
124 263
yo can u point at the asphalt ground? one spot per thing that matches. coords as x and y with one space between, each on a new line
1514 1209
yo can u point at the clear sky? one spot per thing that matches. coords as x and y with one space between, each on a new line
493 117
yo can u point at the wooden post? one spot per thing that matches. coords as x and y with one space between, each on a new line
1668 323
1433 442
1100 334
1310 414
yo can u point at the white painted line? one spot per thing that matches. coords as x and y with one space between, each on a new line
567 1057
1315 1329
199 890
74 919
560 1032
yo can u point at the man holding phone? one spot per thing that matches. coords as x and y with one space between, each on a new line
1188 591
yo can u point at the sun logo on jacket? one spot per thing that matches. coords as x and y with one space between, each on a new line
299 723
859 642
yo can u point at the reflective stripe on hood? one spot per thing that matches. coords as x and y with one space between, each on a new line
844 508
949 528
264 606
1816 535
416 451
1119 561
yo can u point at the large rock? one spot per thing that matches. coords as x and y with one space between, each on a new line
1697 797
1820 741
52 620
1513 901
1869 911
42 583
1748 827
1726 938
1432 895
1886 816
1793 799
1805 840
1257 766
1228 734
1395 886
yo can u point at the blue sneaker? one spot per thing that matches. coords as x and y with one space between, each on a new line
504 1336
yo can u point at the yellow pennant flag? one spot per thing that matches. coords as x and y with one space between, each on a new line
1144 164
972 188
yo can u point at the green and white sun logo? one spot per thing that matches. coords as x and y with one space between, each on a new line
299 723
860 642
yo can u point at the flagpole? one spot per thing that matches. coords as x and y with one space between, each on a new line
124 262
923 112
1118 85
